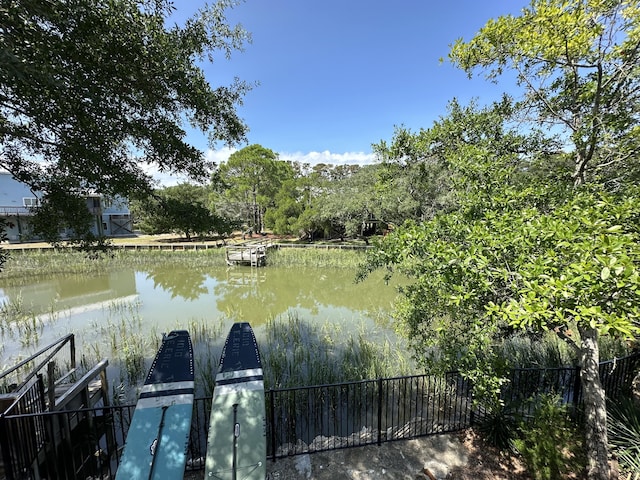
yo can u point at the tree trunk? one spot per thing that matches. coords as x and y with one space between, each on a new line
595 407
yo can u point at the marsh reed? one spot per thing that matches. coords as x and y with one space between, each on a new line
18 320
315 257
23 265
298 353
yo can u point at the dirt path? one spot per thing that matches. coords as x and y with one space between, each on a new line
449 456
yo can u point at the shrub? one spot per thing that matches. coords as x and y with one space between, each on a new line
548 442
498 425
624 434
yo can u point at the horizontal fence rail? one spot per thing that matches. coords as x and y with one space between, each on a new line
87 443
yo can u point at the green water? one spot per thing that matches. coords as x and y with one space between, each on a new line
120 314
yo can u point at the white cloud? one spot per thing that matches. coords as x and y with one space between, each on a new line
219 156
313 158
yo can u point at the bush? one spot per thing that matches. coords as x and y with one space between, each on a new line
548 441
498 425
624 434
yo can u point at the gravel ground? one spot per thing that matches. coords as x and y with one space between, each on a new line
438 457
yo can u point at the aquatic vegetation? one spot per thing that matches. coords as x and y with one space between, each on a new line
26 264
316 257
206 366
23 265
203 330
17 320
128 343
298 353
549 351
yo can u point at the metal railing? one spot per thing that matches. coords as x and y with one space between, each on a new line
15 211
22 438
615 375
14 379
329 417
299 420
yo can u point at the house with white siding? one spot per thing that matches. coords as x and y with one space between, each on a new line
111 215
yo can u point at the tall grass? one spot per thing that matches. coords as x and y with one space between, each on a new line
18 320
549 351
206 336
185 258
23 265
623 419
128 344
298 353
315 257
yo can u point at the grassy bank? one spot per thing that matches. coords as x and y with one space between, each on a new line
316 257
23 264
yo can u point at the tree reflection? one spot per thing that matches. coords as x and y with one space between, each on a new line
186 283
254 294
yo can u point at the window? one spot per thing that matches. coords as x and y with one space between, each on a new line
30 202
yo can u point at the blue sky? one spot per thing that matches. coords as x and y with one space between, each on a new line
336 76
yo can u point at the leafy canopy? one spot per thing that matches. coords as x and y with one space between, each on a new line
92 93
517 252
248 183
578 62
179 209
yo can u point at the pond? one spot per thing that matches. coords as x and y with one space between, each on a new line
124 311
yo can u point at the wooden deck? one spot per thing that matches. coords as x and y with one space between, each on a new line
27 443
252 254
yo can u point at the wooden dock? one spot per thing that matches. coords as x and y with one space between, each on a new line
30 440
250 253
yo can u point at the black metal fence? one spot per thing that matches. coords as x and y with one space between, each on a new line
87 443
329 417
615 375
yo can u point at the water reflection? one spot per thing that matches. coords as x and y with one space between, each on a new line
188 283
173 297
70 292
318 292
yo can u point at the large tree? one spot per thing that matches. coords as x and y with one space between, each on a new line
420 176
247 184
179 209
517 255
513 252
349 205
94 93
412 183
578 62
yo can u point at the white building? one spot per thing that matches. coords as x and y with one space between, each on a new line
112 216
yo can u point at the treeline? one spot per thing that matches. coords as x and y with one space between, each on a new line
254 191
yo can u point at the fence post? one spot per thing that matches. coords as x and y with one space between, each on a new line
72 350
5 449
379 411
272 418
576 388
